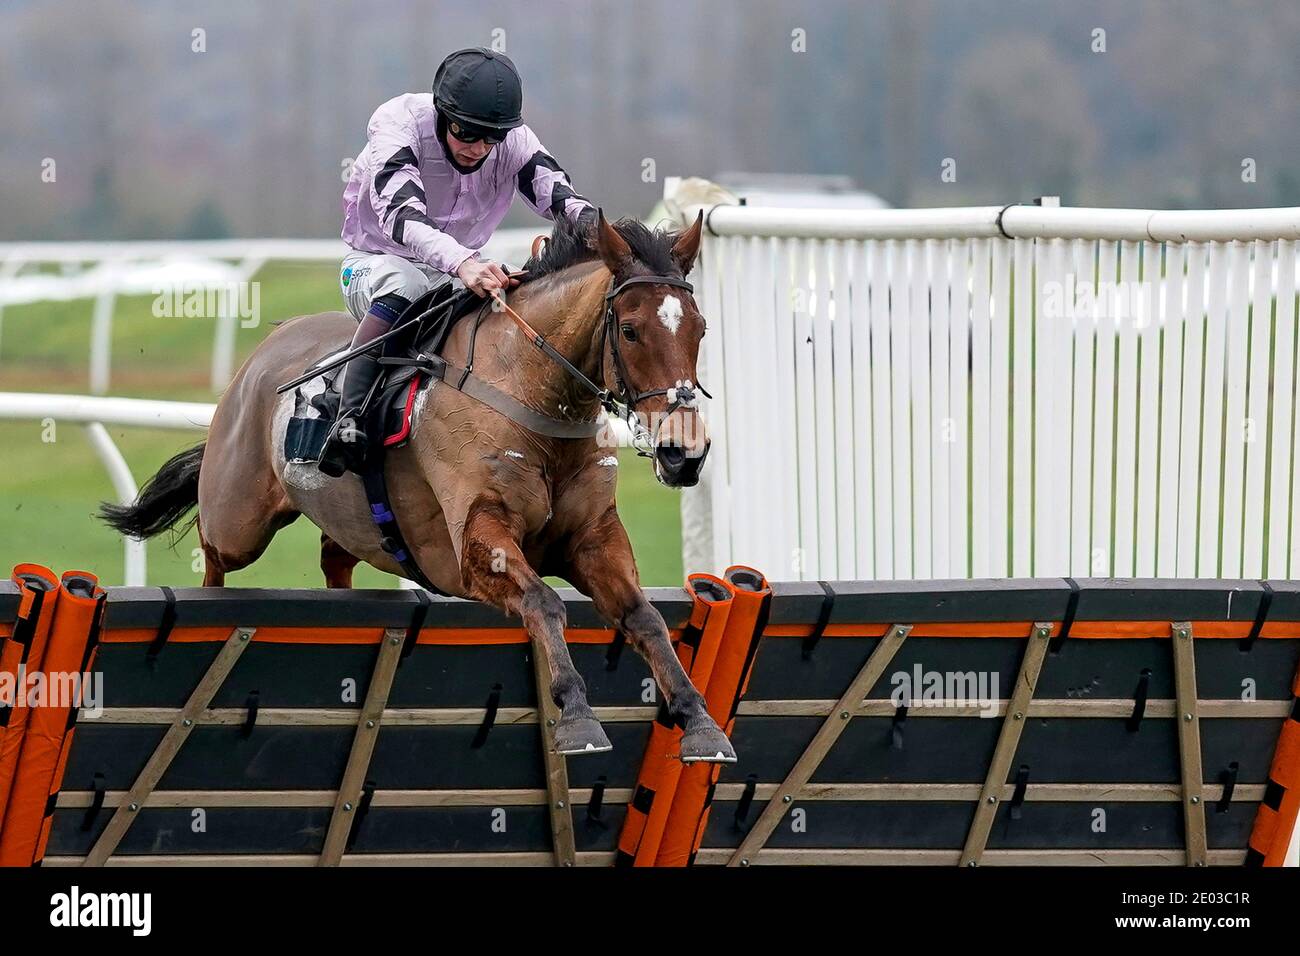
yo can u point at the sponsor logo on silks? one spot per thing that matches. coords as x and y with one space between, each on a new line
347 276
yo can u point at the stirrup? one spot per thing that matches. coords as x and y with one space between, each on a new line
339 455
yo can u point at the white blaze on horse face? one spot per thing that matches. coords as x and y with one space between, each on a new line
670 313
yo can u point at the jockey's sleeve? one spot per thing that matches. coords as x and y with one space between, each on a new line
397 196
543 184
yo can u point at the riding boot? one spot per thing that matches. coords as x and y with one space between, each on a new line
345 448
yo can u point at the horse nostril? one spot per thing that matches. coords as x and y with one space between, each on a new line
671 456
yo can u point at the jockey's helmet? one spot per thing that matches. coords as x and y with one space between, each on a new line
479 90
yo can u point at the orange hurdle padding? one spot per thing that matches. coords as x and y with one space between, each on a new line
61 765
697 649
1275 820
20 654
745 624
69 650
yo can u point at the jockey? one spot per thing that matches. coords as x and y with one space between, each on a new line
437 176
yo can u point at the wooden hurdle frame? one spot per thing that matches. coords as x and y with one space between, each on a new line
1242 615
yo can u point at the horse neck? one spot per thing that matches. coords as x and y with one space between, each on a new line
570 317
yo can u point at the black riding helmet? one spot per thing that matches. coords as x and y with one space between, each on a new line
481 91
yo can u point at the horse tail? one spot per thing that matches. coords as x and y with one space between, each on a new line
163 501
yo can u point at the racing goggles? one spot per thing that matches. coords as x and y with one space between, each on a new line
472 134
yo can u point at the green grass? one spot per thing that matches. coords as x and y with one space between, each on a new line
50 489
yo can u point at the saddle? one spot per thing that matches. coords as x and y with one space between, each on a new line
386 417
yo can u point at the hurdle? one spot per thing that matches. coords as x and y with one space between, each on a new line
971 722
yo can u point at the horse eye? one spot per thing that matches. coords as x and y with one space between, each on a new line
629 333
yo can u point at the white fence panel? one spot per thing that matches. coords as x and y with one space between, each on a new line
981 430
1083 261
957 300
1003 391
864 479
1148 447
841 315
881 400
1283 448
1256 432
1172 329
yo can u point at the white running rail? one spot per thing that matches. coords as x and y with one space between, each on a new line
92 412
109 278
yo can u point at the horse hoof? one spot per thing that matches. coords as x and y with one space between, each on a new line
583 735
709 745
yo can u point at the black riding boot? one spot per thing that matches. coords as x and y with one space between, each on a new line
345 448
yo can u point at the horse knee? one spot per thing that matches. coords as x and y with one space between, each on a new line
491 566
543 606
644 622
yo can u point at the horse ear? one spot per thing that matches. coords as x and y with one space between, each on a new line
613 248
687 246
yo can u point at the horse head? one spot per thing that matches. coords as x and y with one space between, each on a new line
652 333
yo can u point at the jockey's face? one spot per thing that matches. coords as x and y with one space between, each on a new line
467 154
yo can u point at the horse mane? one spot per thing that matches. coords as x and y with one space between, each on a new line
571 244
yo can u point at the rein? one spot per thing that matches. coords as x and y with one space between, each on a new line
681 395
619 403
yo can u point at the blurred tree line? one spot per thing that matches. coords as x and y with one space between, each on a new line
1115 102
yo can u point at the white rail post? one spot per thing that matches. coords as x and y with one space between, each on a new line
133 561
10 268
228 319
223 344
101 335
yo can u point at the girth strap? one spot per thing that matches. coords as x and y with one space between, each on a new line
391 539
519 413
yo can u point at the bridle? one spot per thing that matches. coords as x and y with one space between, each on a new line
679 395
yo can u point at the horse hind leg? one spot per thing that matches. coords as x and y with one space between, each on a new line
232 540
214 575
336 563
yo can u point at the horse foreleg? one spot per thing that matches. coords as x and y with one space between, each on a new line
336 563
602 566
494 569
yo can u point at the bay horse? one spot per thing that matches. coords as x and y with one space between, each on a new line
487 506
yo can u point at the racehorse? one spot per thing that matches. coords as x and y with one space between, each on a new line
488 505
